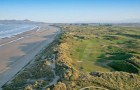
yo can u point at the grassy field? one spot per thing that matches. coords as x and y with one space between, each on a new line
92 48
104 57
86 53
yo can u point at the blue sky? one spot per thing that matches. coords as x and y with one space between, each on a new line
69 11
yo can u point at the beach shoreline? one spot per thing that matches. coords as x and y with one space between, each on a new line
17 36
11 30
17 54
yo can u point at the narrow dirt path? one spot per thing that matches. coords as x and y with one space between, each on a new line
56 78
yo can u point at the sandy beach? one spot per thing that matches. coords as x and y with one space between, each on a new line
18 51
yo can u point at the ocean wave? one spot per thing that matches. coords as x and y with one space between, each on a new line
14 29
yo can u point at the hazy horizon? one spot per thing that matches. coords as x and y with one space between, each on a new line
71 11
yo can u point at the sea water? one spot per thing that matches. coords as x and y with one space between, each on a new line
9 30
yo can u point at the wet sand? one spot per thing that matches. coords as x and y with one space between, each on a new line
18 51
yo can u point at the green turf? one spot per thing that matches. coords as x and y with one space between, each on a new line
92 48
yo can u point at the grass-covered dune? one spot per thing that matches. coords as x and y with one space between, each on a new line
86 58
98 57
92 48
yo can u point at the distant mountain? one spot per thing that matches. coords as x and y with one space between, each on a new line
26 21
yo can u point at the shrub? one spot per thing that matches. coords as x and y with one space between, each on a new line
135 61
29 87
60 86
123 66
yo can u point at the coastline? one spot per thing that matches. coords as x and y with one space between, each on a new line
4 33
36 36
18 36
